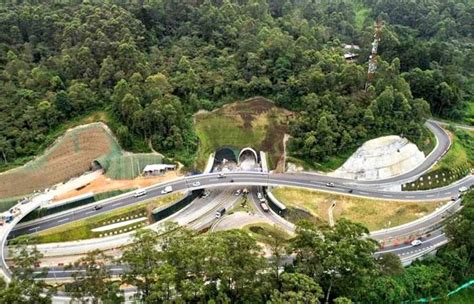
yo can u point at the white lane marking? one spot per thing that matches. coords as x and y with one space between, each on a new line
448 193
431 195
89 212
34 228
63 220
363 192
116 204
386 195
410 196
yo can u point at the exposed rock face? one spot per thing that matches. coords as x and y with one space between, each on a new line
380 158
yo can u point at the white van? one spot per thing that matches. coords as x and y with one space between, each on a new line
167 189
139 192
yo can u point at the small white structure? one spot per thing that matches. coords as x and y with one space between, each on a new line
350 51
157 169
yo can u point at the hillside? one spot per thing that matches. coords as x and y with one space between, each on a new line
80 149
255 123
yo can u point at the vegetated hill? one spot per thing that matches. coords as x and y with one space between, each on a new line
255 123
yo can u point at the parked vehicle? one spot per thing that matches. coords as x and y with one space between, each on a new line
167 189
220 212
140 192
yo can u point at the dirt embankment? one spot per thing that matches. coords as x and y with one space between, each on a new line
105 184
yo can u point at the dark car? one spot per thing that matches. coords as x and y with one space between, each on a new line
97 207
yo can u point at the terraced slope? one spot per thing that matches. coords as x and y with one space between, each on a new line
71 155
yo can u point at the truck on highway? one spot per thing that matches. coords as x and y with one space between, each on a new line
167 189
220 212
263 204
8 217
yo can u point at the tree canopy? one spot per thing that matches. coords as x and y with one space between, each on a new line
151 64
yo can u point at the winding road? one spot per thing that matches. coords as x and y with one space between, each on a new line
232 180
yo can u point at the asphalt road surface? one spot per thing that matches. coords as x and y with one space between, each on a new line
243 179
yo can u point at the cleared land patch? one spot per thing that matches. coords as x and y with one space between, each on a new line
255 123
105 184
371 213
82 229
71 155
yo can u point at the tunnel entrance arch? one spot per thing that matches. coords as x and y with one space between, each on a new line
228 153
248 154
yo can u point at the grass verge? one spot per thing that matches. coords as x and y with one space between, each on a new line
82 229
469 117
7 203
373 214
265 233
456 164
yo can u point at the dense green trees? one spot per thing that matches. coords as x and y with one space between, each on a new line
25 287
154 63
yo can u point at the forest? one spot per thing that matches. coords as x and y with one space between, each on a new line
151 64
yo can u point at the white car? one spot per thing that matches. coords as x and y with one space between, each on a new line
329 184
463 189
196 184
139 192
259 195
167 189
237 193
416 243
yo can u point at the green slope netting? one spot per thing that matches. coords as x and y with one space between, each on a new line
127 166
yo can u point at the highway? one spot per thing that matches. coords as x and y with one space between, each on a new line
301 180
235 179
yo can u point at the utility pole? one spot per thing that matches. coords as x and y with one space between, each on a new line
373 55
